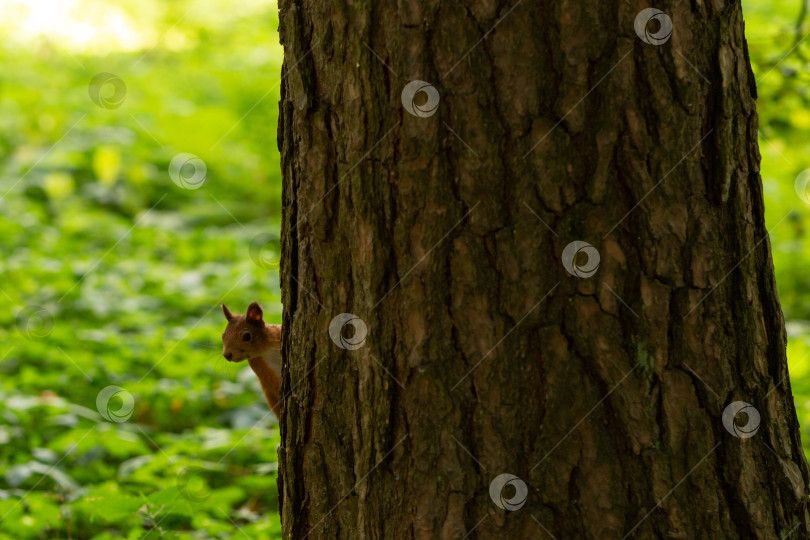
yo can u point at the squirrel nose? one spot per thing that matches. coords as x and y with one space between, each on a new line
227 355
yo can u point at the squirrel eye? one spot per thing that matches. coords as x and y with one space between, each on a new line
246 336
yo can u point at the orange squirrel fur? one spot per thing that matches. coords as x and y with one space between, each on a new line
248 337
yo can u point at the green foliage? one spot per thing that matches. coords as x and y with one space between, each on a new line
128 270
780 57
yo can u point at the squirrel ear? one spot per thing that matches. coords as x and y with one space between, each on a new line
227 312
254 313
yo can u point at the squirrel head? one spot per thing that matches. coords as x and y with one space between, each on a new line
247 336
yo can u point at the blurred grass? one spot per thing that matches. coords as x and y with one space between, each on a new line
85 197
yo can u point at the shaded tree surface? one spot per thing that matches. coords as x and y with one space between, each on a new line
559 252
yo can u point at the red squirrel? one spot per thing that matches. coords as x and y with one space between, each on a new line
248 337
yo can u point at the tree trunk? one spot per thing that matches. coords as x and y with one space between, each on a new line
444 216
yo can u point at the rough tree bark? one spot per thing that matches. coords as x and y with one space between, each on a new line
444 233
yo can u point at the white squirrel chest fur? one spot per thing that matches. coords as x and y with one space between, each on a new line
272 358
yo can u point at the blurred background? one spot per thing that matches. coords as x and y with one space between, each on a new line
97 100
778 34
85 195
